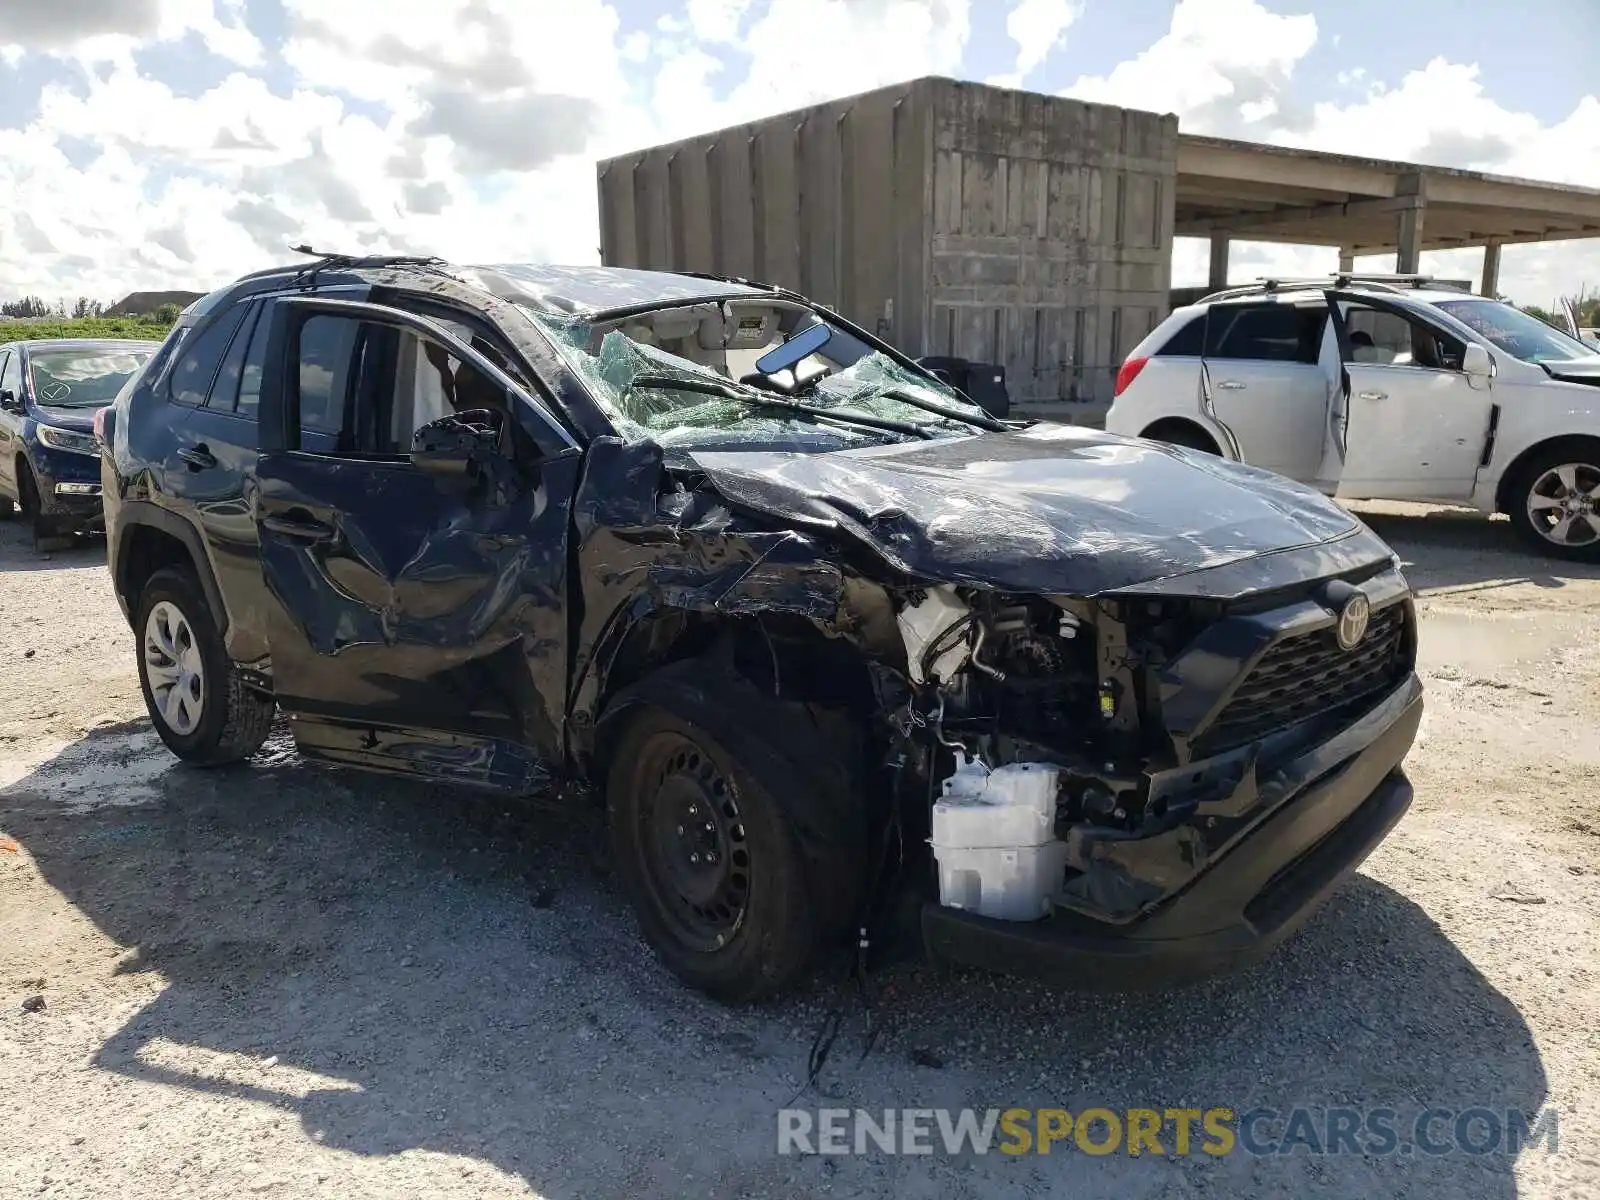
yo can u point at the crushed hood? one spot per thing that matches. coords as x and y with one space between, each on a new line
1052 509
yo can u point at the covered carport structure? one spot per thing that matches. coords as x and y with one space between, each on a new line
1244 191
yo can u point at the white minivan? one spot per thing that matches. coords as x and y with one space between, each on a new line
1389 387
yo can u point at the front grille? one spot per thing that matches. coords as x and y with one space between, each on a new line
1305 676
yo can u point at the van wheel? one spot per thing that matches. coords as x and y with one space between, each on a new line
739 832
1556 503
198 702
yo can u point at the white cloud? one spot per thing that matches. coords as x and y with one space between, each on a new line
1224 66
97 30
473 133
1037 27
1232 68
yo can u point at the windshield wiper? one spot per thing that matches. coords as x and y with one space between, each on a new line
982 422
707 387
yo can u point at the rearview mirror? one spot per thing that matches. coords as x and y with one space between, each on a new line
796 350
1476 362
8 399
455 446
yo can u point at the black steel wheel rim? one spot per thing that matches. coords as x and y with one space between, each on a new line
696 855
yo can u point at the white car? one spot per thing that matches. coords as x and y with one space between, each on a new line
1383 388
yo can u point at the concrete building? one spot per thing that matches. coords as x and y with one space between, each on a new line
1033 231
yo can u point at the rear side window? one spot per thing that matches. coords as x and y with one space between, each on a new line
225 388
255 355
196 366
1266 332
1189 341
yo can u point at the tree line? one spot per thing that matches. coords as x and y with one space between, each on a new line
36 306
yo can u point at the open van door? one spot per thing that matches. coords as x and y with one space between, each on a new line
1570 316
1335 352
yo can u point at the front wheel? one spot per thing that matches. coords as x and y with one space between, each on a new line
741 862
47 536
1556 503
201 707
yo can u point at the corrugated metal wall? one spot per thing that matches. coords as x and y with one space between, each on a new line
827 201
1051 239
952 218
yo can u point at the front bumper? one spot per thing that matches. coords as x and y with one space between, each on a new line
1246 902
69 488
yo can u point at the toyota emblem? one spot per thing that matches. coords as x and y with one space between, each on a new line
1353 621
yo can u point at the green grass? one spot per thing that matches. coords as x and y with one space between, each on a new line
147 328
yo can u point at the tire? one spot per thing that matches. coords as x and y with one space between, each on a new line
225 721
1185 435
8 510
1543 482
694 771
46 536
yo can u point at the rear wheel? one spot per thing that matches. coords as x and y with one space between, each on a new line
1181 433
741 862
1556 503
198 702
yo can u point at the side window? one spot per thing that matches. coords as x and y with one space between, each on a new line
11 374
1266 332
5 372
1189 341
1386 338
372 385
249 400
327 350
225 388
190 380
429 383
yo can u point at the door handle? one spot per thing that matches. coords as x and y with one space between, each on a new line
1231 385
199 457
305 531
1373 396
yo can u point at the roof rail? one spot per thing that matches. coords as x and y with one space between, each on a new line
324 261
1384 283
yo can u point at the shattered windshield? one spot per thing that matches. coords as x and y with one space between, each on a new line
752 375
1516 332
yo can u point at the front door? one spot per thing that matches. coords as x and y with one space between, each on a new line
1414 422
418 620
1264 379
11 418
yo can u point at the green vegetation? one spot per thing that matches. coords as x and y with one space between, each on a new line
152 328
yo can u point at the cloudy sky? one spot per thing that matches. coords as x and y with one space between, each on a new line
179 143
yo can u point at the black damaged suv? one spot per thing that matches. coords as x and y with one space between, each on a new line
760 579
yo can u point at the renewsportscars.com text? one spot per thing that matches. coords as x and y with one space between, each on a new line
1217 1131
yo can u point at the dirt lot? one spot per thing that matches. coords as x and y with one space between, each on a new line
276 980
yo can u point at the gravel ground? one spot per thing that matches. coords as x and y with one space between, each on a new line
283 981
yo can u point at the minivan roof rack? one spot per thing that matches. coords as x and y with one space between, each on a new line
1344 279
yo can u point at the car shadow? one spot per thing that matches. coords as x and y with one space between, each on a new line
411 967
17 552
1431 542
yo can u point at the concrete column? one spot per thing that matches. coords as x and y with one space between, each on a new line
1219 263
1410 255
1347 260
1491 269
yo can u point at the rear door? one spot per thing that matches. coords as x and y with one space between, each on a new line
1264 380
1415 424
417 625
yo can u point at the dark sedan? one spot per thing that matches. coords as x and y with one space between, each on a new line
49 459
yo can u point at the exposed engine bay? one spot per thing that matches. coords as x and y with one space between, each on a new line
1012 688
